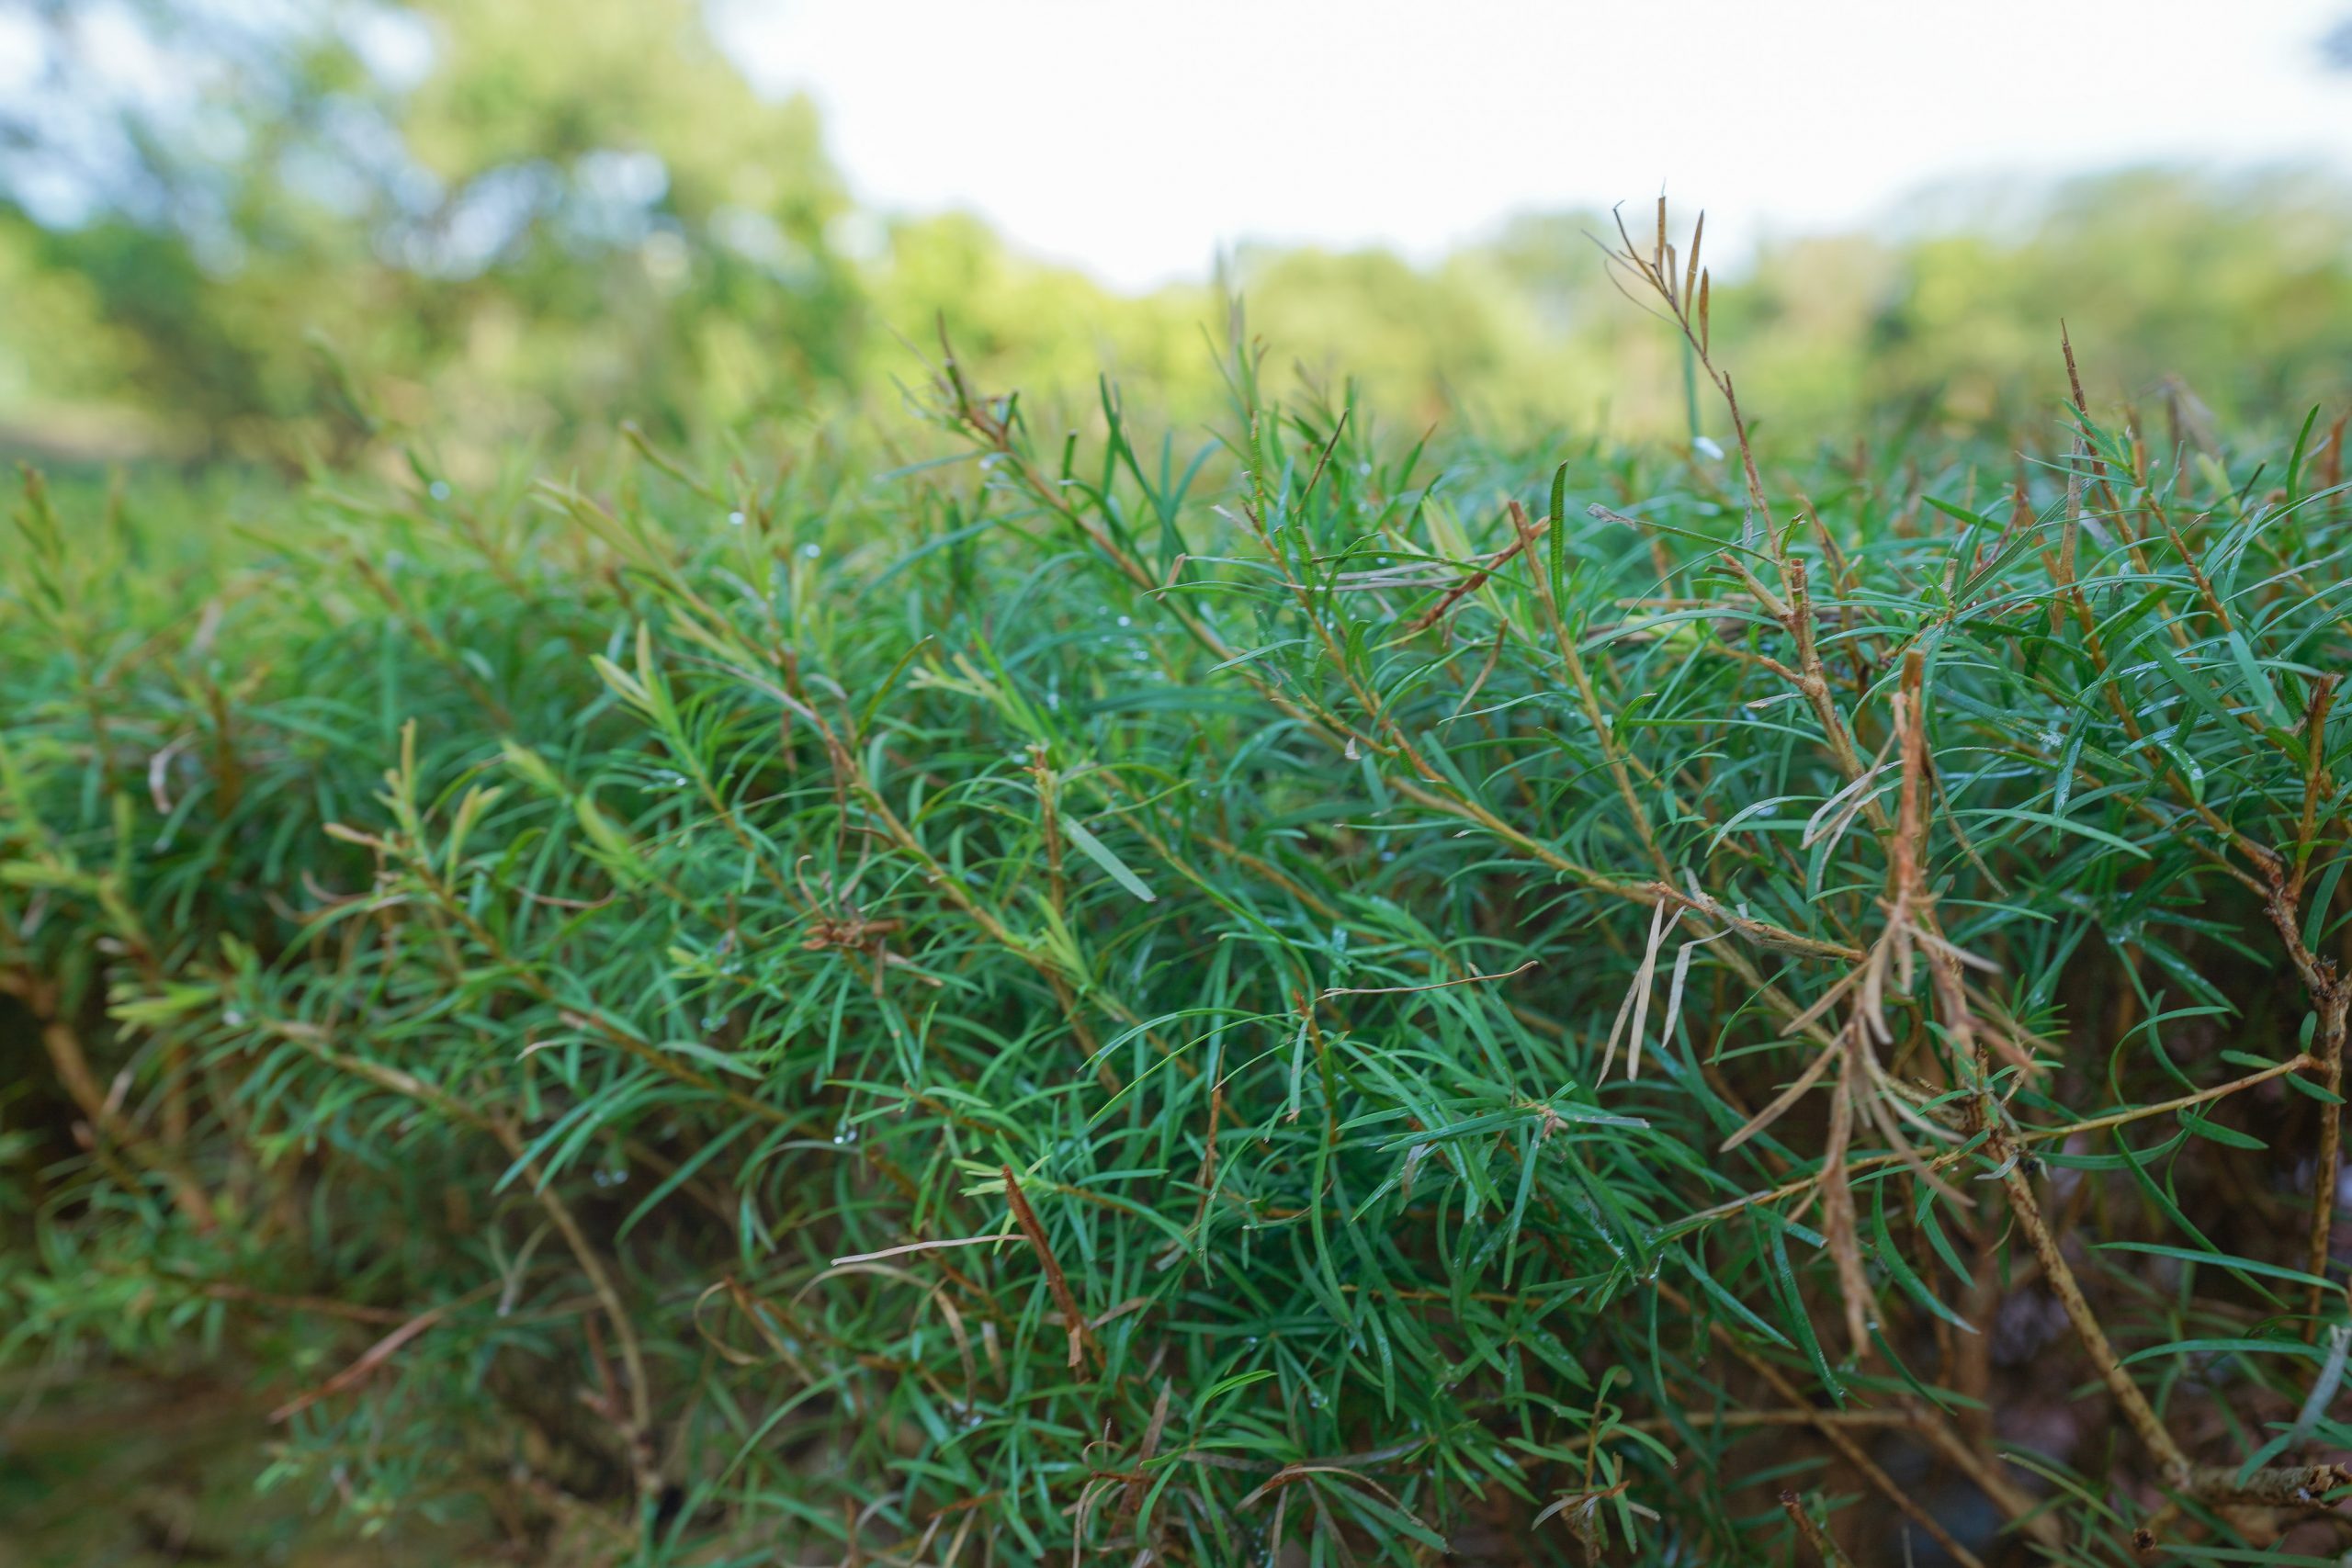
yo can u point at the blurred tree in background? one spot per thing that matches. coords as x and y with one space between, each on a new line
501 217
258 229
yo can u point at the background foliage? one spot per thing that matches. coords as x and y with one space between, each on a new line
278 232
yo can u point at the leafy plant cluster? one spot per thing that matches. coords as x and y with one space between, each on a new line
1316 999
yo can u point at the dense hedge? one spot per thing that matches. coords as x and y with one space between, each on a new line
1089 1002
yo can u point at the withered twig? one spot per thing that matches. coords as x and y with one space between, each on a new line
1081 1336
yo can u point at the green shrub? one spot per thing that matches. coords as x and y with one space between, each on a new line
1311 1001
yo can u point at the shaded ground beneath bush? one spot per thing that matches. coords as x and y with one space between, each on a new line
140 1474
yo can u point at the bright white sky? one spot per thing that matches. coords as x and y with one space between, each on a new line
1133 139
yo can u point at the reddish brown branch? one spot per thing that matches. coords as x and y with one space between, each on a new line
1081 1336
